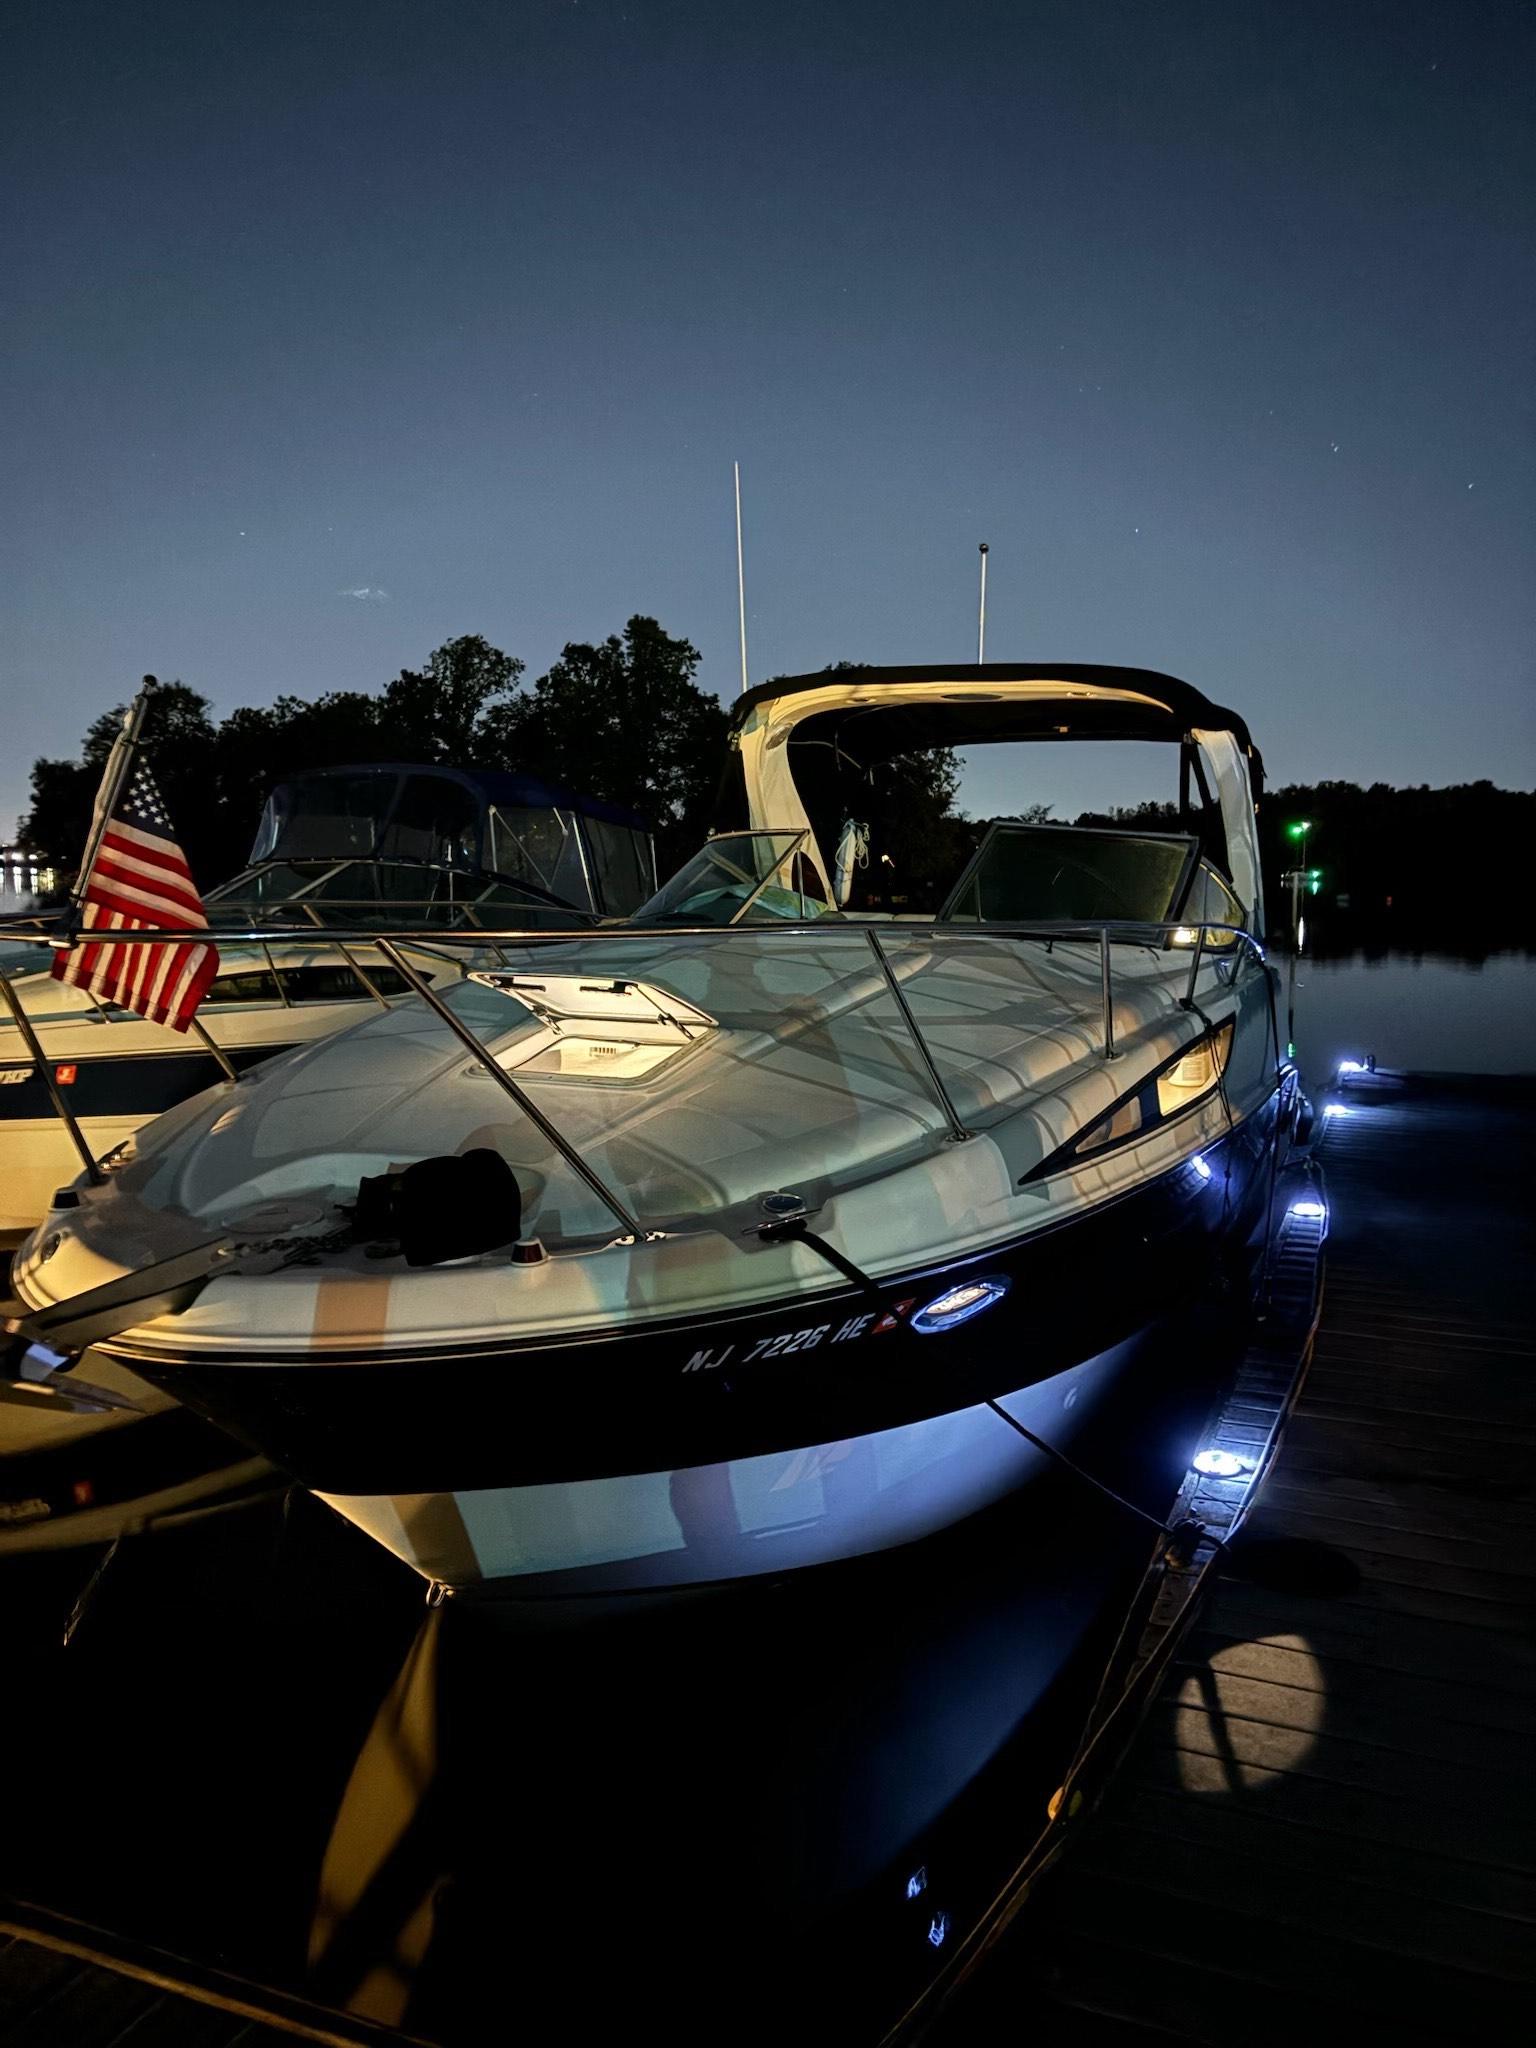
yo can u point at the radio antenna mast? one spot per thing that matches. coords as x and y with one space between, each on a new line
741 581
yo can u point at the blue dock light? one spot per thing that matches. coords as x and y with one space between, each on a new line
1216 1464
958 1304
1310 1208
938 1928
1351 1066
917 1883
1201 1165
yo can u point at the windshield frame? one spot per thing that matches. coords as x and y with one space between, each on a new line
796 835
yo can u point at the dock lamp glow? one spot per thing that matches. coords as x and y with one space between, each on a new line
1219 1464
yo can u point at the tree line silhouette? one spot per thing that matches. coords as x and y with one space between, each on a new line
621 719
1440 869
624 719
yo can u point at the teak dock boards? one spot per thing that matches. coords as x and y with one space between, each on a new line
1328 1823
1323 1822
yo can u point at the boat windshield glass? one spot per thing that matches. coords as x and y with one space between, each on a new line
434 820
740 876
1069 873
324 817
389 894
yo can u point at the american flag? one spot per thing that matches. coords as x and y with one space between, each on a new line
139 881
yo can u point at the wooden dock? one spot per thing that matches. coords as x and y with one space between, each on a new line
1328 1823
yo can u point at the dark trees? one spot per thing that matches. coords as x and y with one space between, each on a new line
623 720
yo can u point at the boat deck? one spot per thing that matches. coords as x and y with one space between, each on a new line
1328 1822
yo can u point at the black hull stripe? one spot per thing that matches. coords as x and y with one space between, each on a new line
652 1400
130 1084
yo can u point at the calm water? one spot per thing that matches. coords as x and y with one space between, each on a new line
1427 1012
263 1751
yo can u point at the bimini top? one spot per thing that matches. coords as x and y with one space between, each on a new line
805 747
1032 700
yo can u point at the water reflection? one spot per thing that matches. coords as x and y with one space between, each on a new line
262 1751
1433 1012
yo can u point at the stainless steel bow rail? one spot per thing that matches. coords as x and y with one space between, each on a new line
1206 941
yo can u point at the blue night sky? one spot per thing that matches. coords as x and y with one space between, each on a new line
333 330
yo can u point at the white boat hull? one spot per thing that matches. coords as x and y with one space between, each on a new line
780 1512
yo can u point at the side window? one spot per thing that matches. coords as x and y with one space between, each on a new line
243 988
1194 1075
326 984
1211 901
1124 1123
338 984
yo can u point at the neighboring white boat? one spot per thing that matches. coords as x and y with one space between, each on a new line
373 846
82 1464
755 1234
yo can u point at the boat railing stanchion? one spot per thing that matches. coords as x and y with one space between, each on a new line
1107 993
957 1131
200 1030
44 1068
277 980
504 1080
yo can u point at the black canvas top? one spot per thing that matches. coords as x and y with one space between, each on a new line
1182 706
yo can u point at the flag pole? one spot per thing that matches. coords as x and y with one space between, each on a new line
119 761
981 617
106 796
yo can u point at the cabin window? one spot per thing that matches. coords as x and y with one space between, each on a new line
1195 1074
1124 1122
323 984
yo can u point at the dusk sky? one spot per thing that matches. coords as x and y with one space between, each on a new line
331 331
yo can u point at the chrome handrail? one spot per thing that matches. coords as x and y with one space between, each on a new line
1122 930
1103 933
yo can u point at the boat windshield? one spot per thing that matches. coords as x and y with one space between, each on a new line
576 852
386 894
364 814
741 877
1072 873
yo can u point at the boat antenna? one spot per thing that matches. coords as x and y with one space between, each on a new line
741 581
981 619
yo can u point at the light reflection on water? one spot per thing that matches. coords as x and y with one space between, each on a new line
1429 1013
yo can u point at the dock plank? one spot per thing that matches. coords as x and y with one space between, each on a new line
1328 1820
